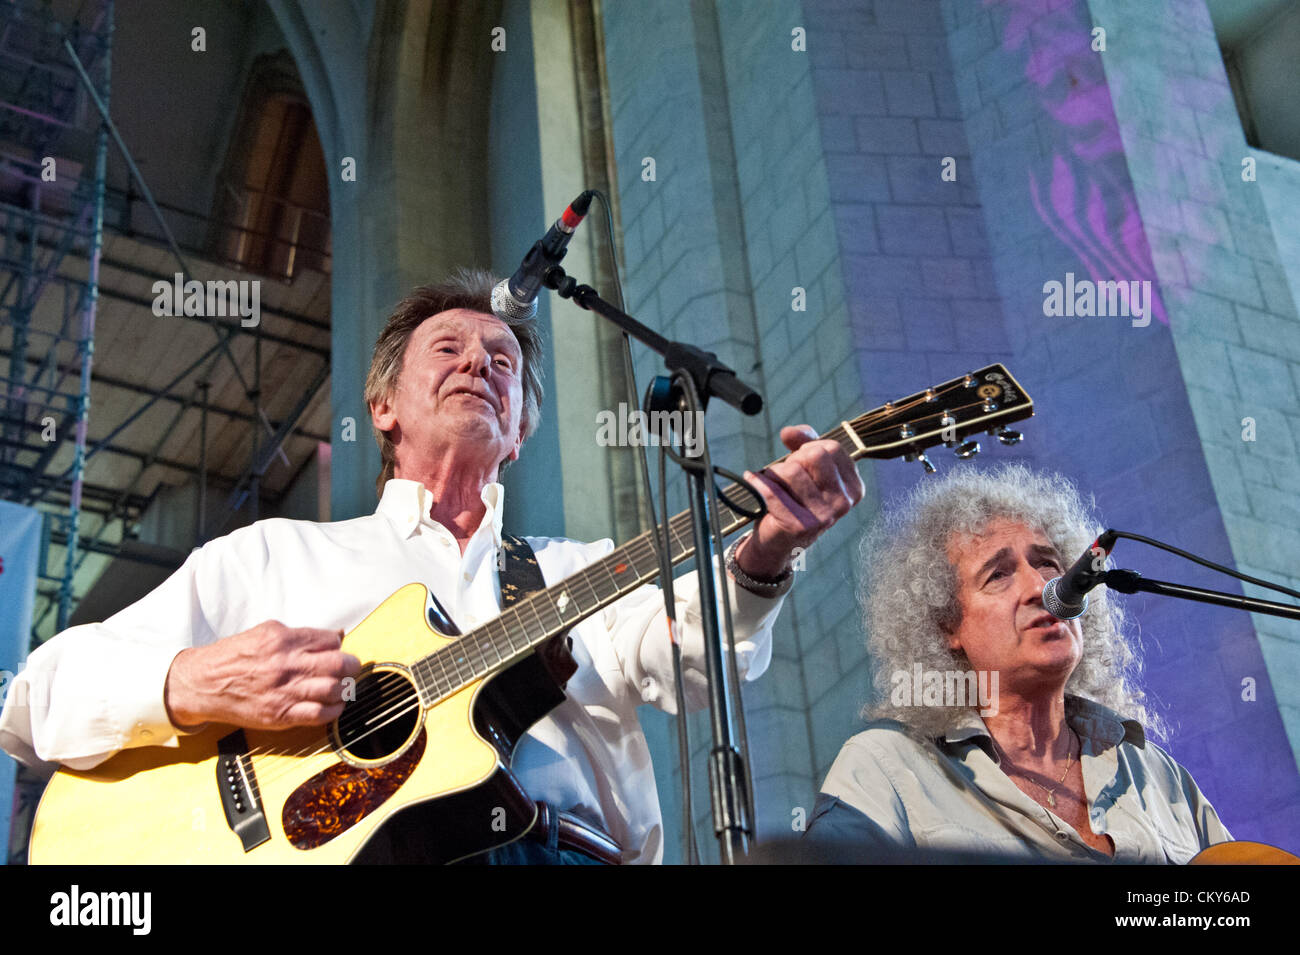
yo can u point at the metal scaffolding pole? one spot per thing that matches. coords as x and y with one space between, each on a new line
87 328
42 114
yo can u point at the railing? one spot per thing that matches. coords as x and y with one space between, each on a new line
249 202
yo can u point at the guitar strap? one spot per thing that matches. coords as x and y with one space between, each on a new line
520 575
514 698
517 567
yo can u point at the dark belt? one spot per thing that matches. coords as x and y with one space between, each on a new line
573 833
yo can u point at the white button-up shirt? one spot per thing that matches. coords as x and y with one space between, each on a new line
98 688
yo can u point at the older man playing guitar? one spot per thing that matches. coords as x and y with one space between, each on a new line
249 632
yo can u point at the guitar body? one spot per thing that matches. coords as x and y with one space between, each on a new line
1243 853
438 773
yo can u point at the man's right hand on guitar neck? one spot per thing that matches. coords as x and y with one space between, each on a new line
270 677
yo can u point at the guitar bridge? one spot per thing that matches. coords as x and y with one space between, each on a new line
239 794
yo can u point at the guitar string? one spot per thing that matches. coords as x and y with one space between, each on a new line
401 696
638 550
365 705
486 640
397 701
479 642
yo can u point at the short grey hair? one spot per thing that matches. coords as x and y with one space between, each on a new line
909 589
465 288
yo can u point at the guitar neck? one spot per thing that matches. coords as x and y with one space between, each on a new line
544 614
909 425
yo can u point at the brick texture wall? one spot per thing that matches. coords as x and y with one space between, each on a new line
821 169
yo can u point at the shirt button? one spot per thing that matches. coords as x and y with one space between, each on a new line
146 734
1062 835
468 578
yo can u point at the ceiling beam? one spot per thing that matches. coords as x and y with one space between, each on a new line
90 492
191 469
147 304
109 550
124 385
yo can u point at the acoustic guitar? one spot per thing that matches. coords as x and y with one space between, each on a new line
436 714
1243 853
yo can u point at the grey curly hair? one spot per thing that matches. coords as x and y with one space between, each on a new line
909 595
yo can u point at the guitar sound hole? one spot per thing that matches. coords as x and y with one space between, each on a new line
381 719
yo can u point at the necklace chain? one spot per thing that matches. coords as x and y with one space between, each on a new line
1069 761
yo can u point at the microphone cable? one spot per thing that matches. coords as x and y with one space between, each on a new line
663 549
1204 562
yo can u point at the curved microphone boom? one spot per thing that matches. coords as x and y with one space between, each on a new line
515 298
1066 597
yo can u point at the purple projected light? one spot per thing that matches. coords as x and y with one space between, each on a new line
1063 66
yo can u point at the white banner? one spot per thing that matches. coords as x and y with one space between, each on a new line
20 548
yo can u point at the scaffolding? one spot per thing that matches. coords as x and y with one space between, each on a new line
55 128
50 69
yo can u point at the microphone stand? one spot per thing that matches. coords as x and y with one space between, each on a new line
1130 582
705 376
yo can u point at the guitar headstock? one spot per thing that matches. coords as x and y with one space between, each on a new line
947 414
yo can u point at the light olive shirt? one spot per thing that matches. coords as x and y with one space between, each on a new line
891 789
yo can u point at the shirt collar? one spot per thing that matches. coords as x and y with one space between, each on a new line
1087 718
1102 723
407 504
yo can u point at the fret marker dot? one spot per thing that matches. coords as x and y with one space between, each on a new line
619 568
562 602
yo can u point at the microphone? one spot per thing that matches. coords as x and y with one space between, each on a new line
515 298
1065 597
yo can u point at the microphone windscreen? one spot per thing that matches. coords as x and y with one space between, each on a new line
1057 607
508 308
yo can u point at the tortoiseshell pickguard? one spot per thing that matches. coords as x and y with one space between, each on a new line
336 799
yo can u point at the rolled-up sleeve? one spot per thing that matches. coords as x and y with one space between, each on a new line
636 627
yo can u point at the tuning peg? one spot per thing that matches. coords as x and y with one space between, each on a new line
965 450
1009 437
925 462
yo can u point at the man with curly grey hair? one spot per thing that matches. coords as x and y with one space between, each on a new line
997 727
